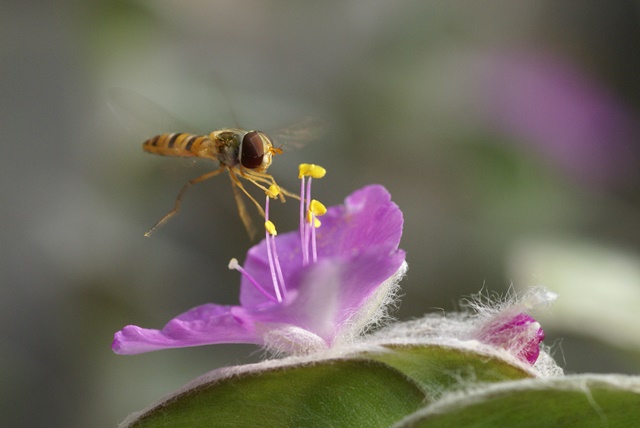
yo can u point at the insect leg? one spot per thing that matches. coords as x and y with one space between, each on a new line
244 173
242 210
176 207
256 179
268 179
238 183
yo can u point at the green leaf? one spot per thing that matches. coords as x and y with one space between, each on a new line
438 368
575 401
328 393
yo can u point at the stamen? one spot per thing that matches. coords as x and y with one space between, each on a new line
271 242
271 228
302 223
234 265
273 191
316 209
269 236
309 223
307 230
314 252
311 218
311 170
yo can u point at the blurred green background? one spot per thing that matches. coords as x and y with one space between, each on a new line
507 132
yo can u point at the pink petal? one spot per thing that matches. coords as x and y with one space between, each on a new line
519 334
367 219
202 325
332 291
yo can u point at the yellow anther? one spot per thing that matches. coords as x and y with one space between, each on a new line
273 191
271 228
317 208
311 170
316 222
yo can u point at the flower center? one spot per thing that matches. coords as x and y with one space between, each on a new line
310 210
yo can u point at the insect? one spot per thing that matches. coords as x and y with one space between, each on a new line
245 155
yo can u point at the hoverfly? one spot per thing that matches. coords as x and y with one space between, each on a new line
244 155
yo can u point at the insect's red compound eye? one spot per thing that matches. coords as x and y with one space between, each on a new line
252 150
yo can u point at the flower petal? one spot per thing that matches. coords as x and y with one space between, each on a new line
202 325
367 219
257 264
358 259
332 291
519 334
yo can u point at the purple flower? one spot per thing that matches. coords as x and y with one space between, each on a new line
300 291
520 335
505 322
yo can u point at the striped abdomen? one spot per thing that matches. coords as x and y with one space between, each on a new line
181 144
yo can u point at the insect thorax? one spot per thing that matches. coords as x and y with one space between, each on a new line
227 147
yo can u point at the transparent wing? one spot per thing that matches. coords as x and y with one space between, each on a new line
298 134
142 116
